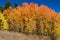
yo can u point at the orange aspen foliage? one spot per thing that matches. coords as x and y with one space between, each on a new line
31 18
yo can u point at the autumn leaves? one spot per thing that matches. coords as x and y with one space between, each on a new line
3 23
33 19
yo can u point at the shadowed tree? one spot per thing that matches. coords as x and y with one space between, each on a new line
15 4
7 4
1 9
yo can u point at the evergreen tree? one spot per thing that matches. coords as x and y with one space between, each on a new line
15 4
1 9
7 4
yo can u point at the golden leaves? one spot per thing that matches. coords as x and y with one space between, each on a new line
3 23
31 17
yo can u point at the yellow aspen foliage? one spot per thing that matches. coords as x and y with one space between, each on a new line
3 23
57 29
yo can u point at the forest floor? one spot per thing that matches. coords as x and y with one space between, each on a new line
5 35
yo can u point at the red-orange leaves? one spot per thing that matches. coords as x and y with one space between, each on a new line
31 18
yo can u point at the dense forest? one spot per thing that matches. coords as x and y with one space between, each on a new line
30 19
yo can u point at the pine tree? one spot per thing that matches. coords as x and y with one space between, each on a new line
1 9
7 4
15 5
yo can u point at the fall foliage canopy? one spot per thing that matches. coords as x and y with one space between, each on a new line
33 19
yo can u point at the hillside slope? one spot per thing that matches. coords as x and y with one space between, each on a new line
5 35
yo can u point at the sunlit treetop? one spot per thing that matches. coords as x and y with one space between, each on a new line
31 10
